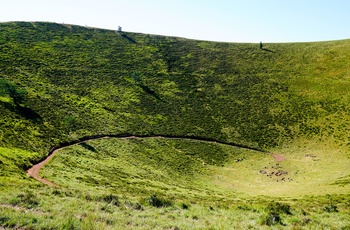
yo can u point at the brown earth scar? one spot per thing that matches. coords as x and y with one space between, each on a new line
278 158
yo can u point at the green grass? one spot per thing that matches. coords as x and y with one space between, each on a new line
14 161
228 186
180 167
159 183
136 166
184 87
59 83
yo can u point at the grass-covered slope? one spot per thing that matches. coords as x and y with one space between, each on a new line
60 83
160 183
194 170
81 81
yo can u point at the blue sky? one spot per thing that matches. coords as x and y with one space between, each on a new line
216 20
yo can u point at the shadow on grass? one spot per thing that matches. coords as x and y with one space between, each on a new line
131 40
25 112
267 50
151 92
88 147
29 114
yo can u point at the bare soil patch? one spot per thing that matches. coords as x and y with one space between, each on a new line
278 158
35 169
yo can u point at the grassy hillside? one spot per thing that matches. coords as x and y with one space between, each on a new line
59 83
156 183
80 81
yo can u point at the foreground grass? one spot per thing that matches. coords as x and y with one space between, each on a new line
173 184
197 168
101 215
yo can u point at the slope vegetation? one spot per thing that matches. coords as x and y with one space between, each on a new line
60 83
80 81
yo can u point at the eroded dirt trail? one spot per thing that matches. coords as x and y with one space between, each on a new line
35 169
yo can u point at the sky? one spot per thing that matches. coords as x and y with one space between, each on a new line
214 20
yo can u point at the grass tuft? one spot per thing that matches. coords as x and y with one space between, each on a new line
158 202
27 199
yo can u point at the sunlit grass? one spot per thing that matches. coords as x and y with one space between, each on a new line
60 83
179 168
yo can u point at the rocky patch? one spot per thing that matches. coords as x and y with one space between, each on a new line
276 172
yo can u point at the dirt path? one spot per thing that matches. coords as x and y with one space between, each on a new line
35 169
